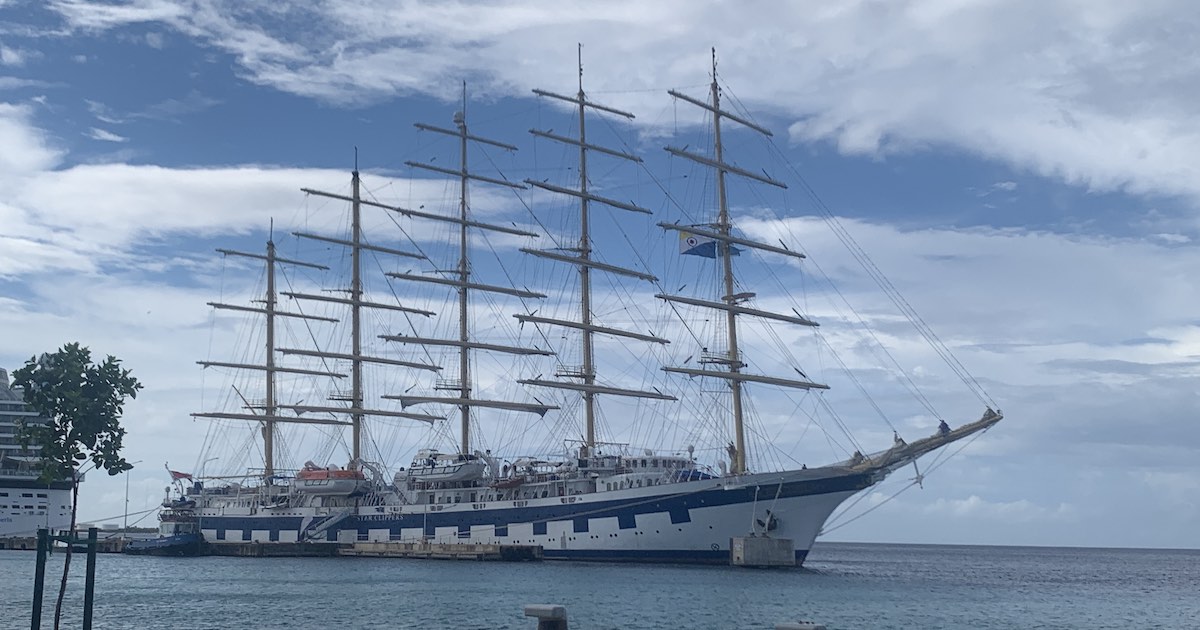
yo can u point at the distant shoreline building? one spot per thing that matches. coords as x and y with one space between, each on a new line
26 503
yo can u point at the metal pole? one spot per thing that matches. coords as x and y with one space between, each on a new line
271 411
125 525
125 532
585 277
89 586
39 578
356 294
464 275
738 461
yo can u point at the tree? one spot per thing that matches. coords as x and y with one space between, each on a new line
81 403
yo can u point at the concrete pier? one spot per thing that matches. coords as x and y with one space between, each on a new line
760 551
103 545
273 550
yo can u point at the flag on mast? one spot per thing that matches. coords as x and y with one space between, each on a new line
176 475
696 245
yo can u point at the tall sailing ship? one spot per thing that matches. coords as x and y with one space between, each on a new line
592 499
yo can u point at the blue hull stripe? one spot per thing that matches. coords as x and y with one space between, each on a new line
578 513
689 556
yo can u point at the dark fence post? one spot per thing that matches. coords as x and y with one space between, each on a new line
39 578
89 586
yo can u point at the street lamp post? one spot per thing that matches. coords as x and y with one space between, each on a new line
204 464
125 527
200 514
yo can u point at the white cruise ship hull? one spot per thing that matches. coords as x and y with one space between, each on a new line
26 506
682 522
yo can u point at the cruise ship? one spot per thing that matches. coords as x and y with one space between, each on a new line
26 503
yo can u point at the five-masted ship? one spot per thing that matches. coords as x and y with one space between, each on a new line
597 501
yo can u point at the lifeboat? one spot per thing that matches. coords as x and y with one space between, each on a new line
509 482
432 466
330 481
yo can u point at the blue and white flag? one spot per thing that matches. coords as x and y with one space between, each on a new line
696 245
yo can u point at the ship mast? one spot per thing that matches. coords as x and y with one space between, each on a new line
356 363
464 274
732 303
357 409
464 284
586 375
269 407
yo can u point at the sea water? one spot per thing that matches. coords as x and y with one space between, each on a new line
842 586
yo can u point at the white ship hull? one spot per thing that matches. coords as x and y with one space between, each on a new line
683 522
24 509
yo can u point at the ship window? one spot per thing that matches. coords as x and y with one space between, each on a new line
27 495
654 463
41 495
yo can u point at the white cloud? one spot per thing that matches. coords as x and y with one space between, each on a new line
92 15
26 148
1090 93
105 136
1016 512
1173 239
13 83
12 56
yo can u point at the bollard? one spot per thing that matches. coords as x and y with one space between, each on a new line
549 616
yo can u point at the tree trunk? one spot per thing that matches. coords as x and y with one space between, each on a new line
62 586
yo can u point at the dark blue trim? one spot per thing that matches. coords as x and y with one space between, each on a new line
539 528
686 556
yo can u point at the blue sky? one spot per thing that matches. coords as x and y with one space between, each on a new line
1023 171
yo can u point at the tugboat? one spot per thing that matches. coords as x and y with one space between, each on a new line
178 525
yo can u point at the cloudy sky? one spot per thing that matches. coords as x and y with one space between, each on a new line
1023 172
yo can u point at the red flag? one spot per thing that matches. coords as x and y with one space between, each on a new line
175 475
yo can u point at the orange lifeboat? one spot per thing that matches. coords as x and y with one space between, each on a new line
313 479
